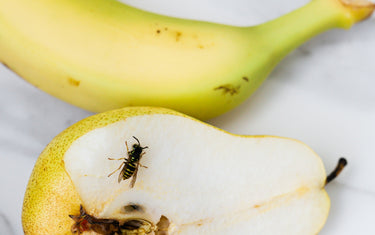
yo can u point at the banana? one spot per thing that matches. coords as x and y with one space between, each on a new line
102 54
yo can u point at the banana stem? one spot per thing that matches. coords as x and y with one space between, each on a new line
340 166
286 33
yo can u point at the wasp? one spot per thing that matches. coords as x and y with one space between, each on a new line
131 164
85 222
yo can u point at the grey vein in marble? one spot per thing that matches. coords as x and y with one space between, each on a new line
5 225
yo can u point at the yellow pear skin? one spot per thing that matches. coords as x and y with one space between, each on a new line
65 177
102 54
50 195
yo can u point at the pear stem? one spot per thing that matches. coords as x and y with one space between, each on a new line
340 166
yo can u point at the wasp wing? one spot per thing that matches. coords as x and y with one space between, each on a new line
134 177
122 173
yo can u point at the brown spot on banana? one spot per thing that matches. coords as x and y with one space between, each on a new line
74 82
178 36
228 89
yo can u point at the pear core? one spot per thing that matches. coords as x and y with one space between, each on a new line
204 180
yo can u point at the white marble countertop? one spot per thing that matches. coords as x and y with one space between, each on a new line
322 94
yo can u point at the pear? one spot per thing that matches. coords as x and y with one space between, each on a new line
102 54
185 177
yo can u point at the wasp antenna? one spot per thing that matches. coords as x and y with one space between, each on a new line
116 169
136 140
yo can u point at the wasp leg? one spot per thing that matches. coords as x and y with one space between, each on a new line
116 169
142 165
127 148
117 159
140 156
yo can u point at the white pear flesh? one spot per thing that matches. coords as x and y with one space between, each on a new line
204 180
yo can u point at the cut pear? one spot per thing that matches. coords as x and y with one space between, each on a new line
200 179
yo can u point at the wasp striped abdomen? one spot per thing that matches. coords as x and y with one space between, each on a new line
129 170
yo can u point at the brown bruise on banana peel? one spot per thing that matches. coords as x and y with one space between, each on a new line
228 89
177 36
73 82
50 195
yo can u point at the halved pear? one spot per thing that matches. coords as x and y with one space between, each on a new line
198 180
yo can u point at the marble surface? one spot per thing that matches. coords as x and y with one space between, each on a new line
322 94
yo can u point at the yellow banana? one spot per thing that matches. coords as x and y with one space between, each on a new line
103 54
